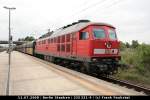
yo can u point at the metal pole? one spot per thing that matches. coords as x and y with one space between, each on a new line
9 40
9 60
9 52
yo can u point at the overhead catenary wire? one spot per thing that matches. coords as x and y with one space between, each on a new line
104 5
101 2
91 6
113 4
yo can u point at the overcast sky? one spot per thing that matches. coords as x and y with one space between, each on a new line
34 17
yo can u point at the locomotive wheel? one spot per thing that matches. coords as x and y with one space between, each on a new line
46 58
51 59
85 68
82 69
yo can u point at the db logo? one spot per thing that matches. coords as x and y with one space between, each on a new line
108 44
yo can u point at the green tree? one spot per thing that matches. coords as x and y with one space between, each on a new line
144 52
127 45
135 44
27 38
21 39
122 46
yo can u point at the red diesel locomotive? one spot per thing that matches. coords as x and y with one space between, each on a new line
89 46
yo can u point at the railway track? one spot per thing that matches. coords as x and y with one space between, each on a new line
129 85
114 80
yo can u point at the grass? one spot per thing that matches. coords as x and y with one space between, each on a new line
138 70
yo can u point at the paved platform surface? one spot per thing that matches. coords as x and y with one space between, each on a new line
28 77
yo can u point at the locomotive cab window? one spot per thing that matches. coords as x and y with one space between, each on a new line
112 34
99 33
84 36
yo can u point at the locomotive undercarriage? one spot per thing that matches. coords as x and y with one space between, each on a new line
106 67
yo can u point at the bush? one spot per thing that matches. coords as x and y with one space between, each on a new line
128 56
122 46
144 52
139 61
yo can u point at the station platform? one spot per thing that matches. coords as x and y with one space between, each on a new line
30 76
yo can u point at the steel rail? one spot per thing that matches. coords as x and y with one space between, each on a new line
136 87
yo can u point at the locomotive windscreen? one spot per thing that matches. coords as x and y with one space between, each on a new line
112 34
99 33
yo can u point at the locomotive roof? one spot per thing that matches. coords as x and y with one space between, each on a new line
74 28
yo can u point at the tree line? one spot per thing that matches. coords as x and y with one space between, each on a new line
136 54
134 44
27 38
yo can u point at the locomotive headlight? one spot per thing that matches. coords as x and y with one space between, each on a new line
94 59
